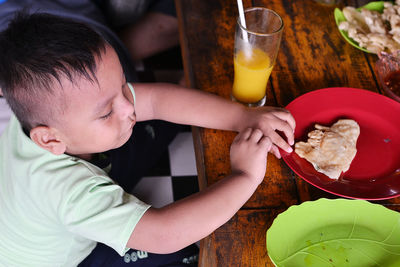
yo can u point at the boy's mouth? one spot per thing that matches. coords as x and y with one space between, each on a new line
130 128
133 124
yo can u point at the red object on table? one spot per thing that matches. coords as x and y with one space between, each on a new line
375 171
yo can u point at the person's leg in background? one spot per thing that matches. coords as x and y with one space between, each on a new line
154 33
146 27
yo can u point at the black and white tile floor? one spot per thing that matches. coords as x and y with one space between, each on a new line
174 178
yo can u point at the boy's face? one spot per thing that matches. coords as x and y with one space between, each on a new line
99 116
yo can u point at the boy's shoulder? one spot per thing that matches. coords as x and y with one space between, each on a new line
28 163
52 182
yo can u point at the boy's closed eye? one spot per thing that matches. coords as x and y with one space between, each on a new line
108 115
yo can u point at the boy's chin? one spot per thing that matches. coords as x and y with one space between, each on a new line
123 141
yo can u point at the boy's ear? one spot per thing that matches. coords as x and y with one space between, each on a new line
46 138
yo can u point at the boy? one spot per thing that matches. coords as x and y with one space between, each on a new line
145 27
68 90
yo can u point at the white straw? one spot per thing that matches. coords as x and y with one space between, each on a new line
242 19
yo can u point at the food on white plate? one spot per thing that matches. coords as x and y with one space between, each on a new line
372 30
331 149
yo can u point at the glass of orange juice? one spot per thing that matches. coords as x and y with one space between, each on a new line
256 48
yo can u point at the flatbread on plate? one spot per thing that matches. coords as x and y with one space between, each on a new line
331 149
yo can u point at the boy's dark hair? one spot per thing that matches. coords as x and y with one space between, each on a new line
36 52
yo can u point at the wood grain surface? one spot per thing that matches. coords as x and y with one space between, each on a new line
312 55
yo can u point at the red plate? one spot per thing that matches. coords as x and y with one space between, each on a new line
375 171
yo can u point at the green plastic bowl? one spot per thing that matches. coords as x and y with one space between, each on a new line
339 17
339 232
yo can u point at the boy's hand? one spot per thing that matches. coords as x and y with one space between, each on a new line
159 230
249 152
269 120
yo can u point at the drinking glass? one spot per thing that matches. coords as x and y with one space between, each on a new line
256 48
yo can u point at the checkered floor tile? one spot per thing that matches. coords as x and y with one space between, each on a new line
175 176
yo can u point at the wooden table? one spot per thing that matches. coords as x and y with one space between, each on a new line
312 55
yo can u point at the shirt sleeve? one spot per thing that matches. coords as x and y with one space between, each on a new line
132 92
98 209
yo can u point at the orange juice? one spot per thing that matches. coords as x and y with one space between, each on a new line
251 75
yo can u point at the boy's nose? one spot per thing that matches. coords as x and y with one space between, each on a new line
127 109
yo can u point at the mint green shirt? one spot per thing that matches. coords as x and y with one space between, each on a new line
54 208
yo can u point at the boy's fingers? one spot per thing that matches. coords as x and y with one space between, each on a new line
275 150
256 135
287 130
286 116
278 140
244 135
266 142
290 136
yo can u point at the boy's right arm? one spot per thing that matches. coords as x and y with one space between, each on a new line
184 222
